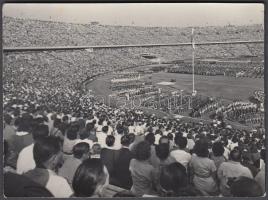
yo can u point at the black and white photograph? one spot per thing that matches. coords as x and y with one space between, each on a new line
133 100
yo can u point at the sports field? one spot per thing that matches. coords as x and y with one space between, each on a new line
228 88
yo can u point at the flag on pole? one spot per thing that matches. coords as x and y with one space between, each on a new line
192 39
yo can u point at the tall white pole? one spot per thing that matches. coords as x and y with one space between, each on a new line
193 69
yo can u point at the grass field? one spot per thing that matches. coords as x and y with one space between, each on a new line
228 88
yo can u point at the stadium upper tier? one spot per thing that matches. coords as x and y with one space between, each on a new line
33 33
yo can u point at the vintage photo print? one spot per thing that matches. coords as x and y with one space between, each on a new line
133 100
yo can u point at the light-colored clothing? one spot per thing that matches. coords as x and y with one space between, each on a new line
229 170
8 132
142 177
25 160
190 144
101 139
69 168
203 169
181 156
260 178
68 145
57 185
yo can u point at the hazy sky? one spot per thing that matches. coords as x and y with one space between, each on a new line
154 14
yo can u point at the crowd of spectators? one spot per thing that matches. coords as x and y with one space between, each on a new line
251 70
129 149
58 145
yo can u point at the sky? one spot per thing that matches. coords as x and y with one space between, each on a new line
146 14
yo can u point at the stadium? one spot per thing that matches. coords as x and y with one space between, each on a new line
159 91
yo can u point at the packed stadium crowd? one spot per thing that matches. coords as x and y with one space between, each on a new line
141 153
59 144
251 70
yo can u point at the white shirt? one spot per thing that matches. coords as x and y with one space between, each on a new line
25 160
58 185
181 156
101 139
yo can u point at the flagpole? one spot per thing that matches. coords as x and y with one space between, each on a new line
193 69
193 57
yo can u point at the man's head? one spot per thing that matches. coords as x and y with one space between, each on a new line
105 129
40 131
150 138
125 140
246 187
110 139
162 151
235 155
181 141
81 150
47 153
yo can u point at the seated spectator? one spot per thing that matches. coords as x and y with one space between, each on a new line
122 174
48 158
180 154
204 169
84 137
70 139
8 130
141 170
230 170
55 130
217 154
151 139
25 187
25 160
174 182
81 152
96 151
90 179
22 138
260 177
101 135
109 156
246 187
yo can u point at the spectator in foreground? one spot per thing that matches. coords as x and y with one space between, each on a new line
48 157
81 152
204 169
217 153
141 170
246 187
230 170
122 173
260 177
109 156
90 179
174 182
25 160
180 154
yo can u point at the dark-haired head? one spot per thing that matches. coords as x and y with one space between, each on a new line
105 129
217 149
89 178
173 178
181 141
246 187
143 151
162 151
125 140
47 153
40 131
110 139
201 148
81 150
150 138
235 155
